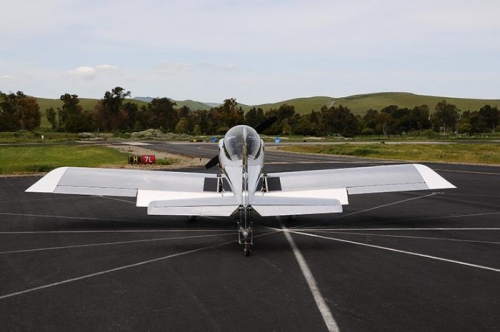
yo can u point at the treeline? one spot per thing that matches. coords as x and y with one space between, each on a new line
115 113
18 112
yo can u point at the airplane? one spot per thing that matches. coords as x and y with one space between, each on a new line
241 188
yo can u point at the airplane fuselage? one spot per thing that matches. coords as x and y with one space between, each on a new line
241 160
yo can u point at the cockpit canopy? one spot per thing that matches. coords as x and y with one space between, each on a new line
235 139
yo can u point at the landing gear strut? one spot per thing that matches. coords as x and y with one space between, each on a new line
245 231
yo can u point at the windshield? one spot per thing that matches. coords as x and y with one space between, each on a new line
235 139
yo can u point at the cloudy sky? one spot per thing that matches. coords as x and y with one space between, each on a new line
255 51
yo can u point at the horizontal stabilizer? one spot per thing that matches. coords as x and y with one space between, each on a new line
289 206
206 206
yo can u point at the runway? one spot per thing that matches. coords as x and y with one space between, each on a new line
414 261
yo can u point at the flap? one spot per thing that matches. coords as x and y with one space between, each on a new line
289 206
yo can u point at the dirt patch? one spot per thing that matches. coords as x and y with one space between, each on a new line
178 161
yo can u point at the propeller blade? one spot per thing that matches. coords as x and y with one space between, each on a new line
213 162
266 124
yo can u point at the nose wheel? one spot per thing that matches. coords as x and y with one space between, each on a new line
245 231
246 240
247 249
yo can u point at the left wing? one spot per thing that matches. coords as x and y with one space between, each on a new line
147 186
339 183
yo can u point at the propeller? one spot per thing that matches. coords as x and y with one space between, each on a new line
213 162
259 129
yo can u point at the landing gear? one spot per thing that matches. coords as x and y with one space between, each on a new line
245 231
247 249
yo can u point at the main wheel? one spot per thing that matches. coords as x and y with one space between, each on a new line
247 249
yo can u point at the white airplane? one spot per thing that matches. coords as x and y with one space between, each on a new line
242 188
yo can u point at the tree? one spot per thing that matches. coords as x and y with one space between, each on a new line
129 115
71 113
200 121
221 118
29 112
339 120
163 115
109 112
420 118
9 115
186 113
18 111
445 117
370 119
304 126
182 126
254 117
490 117
51 115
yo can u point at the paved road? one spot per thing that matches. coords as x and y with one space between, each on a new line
416 261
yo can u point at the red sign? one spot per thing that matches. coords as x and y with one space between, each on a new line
148 159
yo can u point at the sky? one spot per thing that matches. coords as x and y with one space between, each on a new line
254 51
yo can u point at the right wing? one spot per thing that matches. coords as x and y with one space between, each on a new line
148 186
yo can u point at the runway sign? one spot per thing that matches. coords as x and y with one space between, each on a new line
147 159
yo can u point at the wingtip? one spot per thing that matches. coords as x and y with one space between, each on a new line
49 182
433 179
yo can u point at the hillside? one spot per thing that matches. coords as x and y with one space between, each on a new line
358 104
302 105
192 104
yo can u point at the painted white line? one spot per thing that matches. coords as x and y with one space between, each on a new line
117 199
311 282
51 216
427 218
111 243
386 205
374 208
413 229
135 143
399 251
413 237
122 268
118 231
111 270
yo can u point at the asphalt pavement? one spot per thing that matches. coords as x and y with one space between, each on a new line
413 261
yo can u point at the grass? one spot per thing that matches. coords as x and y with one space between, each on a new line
36 137
460 153
33 159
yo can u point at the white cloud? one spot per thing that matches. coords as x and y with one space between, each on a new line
7 78
173 68
84 73
90 73
226 67
106 68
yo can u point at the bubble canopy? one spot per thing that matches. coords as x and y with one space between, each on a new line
235 140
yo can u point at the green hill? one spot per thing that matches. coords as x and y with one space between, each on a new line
359 104
192 104
302 105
